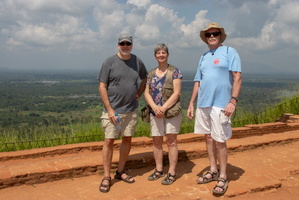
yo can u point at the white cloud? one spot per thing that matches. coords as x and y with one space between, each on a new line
266 39
191 31
13 43
287 24
66 32
70 7
72 26
160 15
108 22
139 3
5 31
49 25
134 19
277 29
160 25
147 32
43 35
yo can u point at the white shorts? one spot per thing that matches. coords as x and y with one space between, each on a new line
163 126
212 121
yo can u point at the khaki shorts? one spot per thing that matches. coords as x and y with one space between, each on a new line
163 126
212 121
128 125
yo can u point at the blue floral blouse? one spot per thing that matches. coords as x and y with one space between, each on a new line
157 85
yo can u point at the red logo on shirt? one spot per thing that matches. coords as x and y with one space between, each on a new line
216 61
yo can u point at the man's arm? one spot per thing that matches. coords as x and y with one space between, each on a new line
190 111
141 88
237 76
105 99
231 106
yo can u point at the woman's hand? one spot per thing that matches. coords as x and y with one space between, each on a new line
159 111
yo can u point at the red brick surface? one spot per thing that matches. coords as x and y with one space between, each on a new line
262 158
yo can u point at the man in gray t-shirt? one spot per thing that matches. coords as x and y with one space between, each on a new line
119 91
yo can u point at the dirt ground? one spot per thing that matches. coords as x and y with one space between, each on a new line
87 188
245 169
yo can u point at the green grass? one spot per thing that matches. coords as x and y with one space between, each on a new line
27 137
270 114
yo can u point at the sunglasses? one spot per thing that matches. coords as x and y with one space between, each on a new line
215 34
125 43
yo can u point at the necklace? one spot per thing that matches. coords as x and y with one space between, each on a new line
213 51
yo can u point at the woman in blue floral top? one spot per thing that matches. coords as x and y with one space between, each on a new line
161 124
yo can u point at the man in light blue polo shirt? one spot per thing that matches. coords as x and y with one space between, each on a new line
217 86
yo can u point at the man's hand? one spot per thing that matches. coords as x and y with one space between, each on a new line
230 108
190 112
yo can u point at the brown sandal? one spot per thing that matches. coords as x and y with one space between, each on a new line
118 176
214 177
169 179
156 175
223 187
106 187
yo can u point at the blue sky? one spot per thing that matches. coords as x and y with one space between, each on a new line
79 35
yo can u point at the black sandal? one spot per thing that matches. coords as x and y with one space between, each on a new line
169 179
118 176
107 187
156 175
223 187
214 177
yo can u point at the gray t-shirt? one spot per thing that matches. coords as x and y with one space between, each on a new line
121 77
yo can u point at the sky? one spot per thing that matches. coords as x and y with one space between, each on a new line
80 34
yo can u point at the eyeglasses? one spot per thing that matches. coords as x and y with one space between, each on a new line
125 43
215 34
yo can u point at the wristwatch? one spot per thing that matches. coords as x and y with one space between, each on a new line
235 98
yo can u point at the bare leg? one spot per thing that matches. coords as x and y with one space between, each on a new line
107 154
222 156
158 152
172 152
212 155
124 152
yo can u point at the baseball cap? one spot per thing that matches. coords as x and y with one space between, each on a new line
125 37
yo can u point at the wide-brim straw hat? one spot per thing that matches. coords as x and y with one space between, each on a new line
209 26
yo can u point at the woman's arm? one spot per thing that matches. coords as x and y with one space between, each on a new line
149 99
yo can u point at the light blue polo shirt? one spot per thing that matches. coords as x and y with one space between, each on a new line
214 73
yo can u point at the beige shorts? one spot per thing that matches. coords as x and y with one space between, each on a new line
128 125
212 121
163 126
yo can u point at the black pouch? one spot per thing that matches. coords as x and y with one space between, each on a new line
145 114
